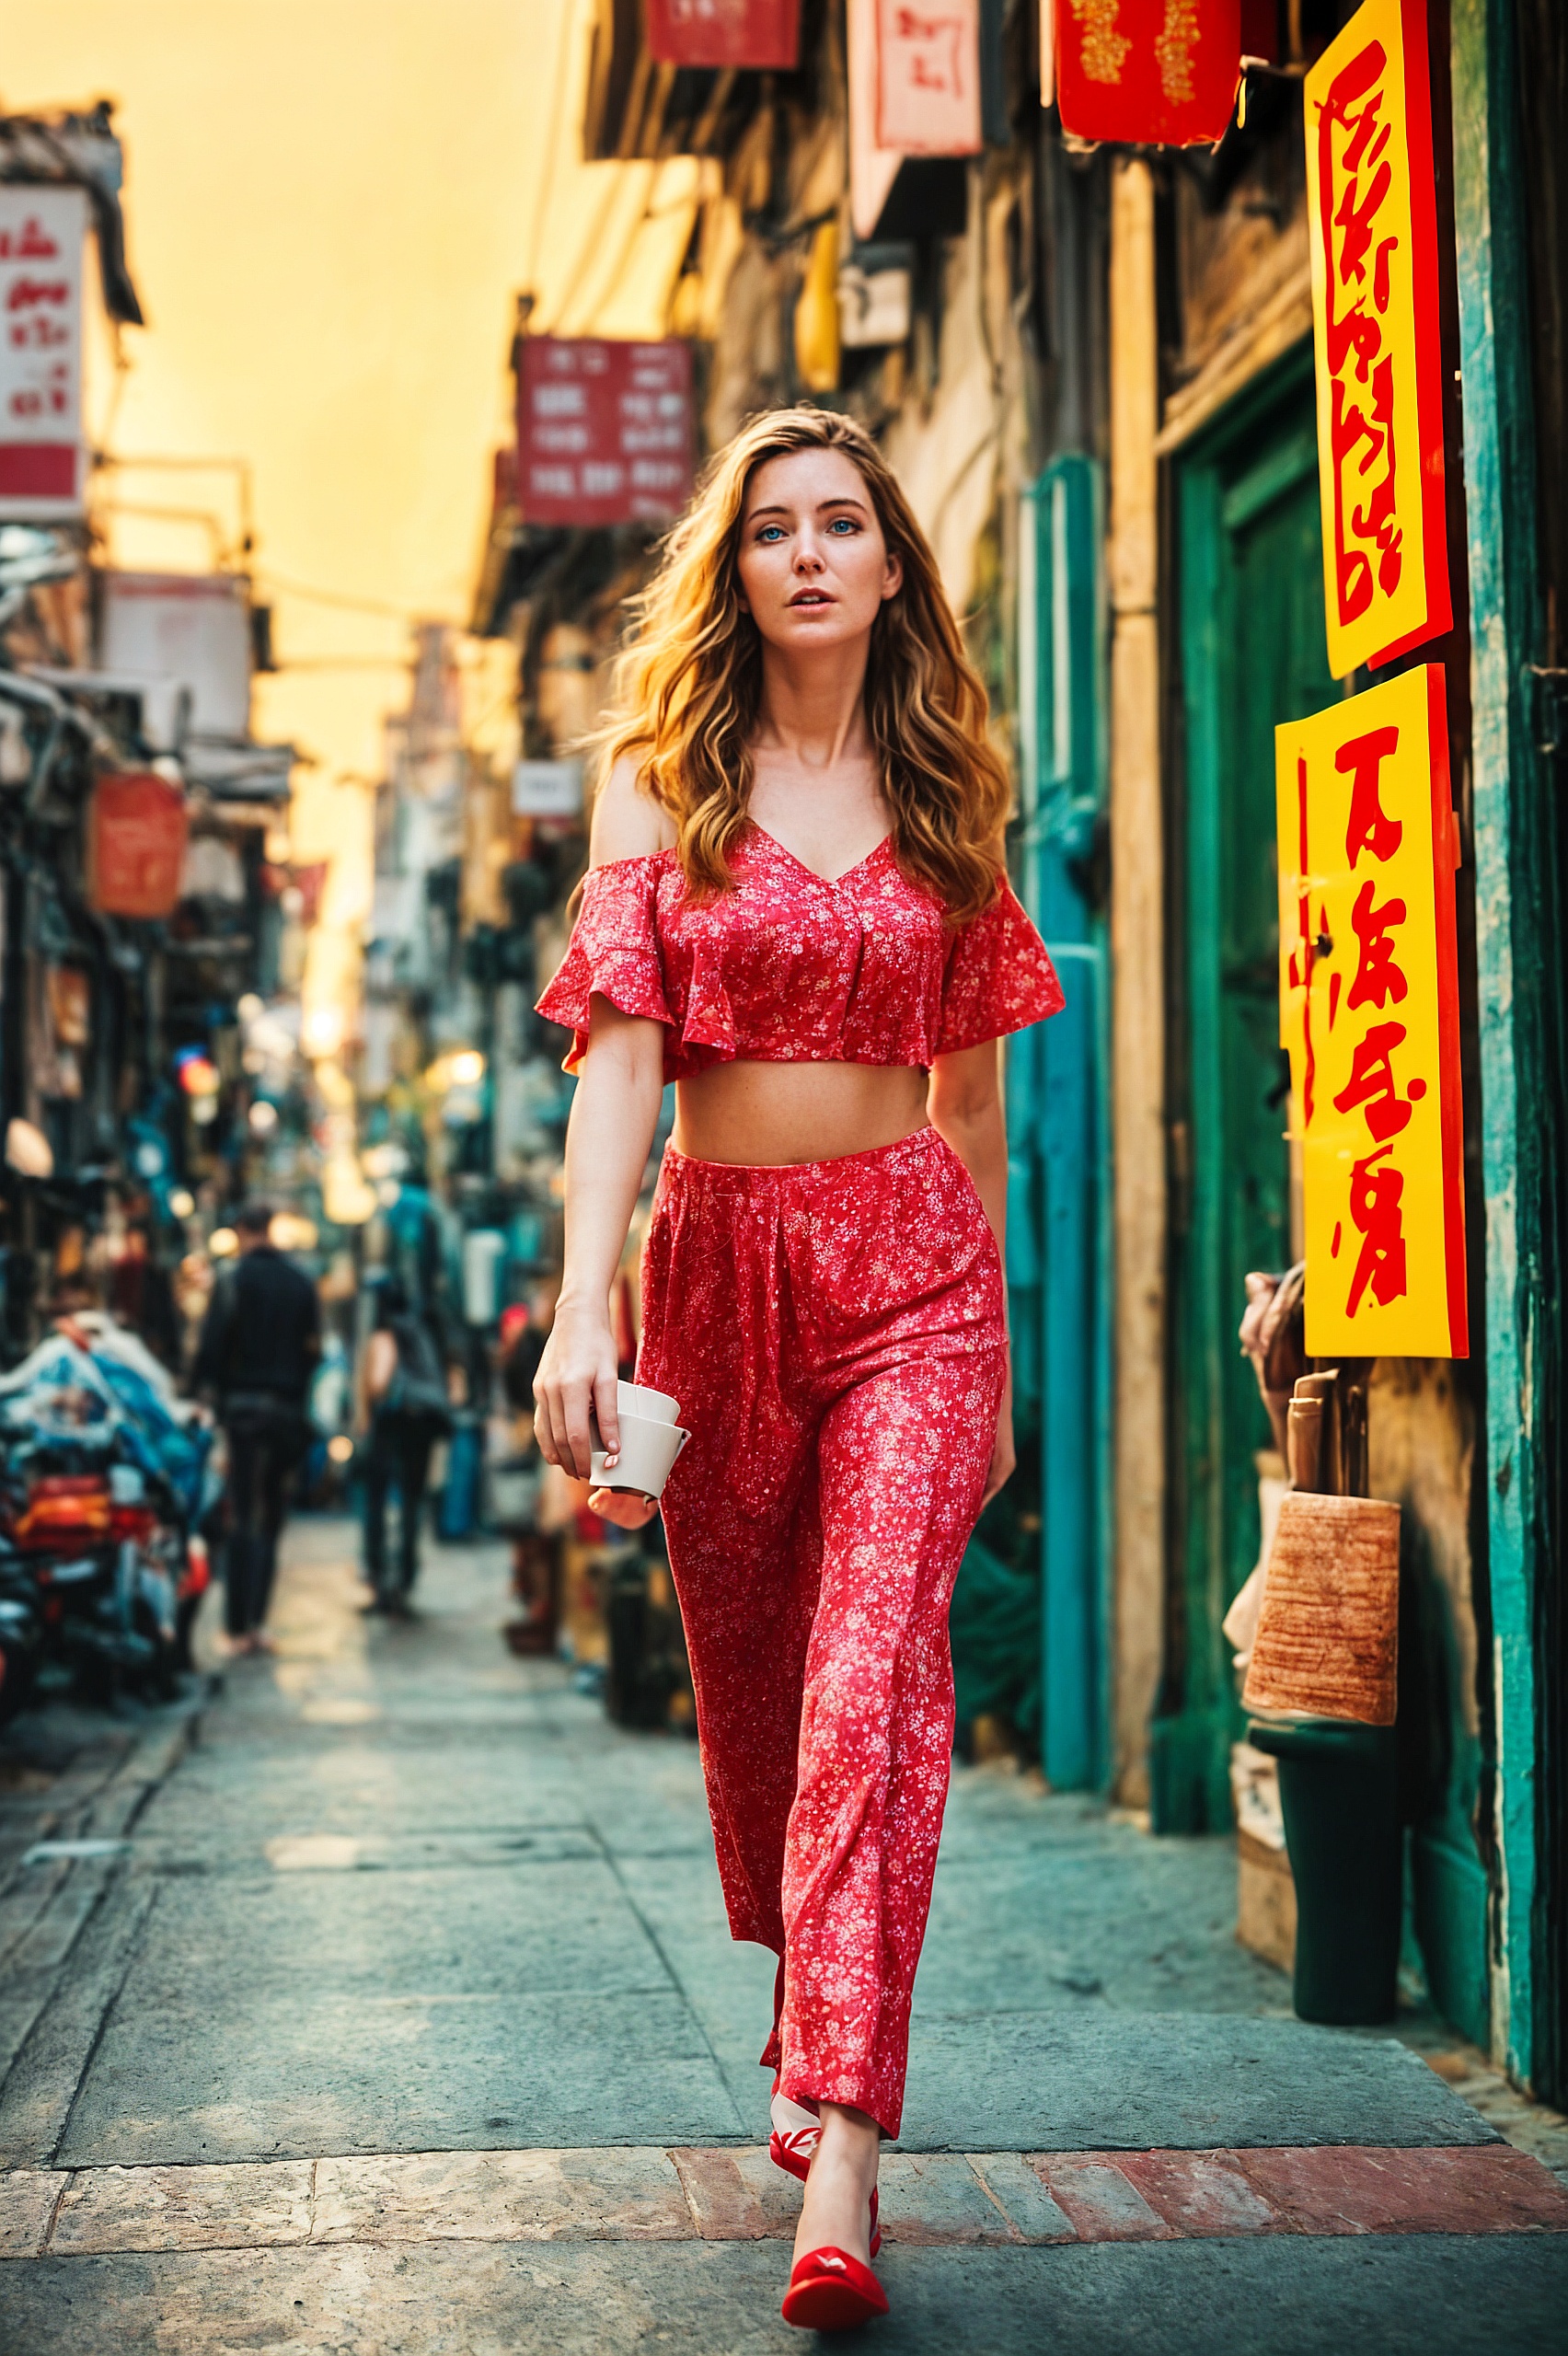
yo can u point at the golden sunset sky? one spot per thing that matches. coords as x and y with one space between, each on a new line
331 205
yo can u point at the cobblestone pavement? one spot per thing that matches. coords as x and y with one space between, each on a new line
382 2002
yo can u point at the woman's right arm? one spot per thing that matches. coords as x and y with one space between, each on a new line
613 1113
607 1141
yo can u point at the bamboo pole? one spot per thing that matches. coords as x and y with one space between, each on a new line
1138 952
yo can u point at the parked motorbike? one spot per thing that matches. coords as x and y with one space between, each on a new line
101 1478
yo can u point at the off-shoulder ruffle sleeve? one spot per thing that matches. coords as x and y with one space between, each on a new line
613 953
998 977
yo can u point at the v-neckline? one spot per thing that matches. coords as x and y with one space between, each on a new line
829 882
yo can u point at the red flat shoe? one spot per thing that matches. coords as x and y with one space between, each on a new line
830 2290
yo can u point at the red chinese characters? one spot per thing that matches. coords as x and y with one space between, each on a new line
41 236
929 77
1368 1004
1373 222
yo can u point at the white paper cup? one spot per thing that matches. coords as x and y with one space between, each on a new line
636 1399
648 1449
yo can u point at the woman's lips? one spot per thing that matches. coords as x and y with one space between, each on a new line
811 597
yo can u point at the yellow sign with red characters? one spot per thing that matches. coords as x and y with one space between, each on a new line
1368 994
1372 221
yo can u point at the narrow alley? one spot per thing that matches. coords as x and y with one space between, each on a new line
407 2016
783 863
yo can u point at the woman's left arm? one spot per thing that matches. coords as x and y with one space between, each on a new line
965 1106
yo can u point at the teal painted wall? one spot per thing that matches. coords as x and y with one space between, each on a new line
1518 968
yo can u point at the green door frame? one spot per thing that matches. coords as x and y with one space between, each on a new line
1198 1717
1522 1016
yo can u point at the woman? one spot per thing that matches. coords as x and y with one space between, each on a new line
796 908
407 1392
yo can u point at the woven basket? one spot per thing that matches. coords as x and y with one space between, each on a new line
1327 1634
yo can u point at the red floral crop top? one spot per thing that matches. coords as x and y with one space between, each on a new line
789 968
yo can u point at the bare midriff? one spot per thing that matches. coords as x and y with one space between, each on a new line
767 1114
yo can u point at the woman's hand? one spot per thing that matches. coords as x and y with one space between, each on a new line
577 1379
1003 1457
623 1507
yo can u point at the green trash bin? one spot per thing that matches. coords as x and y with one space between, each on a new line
1339 1793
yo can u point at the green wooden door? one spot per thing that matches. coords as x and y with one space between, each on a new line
1250 586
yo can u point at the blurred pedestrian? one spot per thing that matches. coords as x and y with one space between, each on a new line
260 1341
408 1413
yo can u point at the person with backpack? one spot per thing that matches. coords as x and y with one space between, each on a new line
408 1413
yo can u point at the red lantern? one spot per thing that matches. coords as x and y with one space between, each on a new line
724 32
1147 73
136 831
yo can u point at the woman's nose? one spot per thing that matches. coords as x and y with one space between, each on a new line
808 557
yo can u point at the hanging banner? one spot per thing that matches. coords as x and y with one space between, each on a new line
603 431
873 168
136 835
1372 222
928 77
724 32
1368 993
42 235
1147 73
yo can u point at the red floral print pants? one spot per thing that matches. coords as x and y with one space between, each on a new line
834 1333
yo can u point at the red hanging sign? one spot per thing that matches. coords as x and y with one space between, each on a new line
603 431
1147 73
136 831
724 32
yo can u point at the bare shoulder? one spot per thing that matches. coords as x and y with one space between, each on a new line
628 822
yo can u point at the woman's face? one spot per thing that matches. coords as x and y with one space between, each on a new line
815 566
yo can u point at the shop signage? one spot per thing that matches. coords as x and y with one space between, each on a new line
193 626
929 77
1372 218
43 235
548 789
724 32
1157 73
604 429
1368 986
136 833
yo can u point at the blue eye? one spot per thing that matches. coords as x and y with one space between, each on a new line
771 532
842 524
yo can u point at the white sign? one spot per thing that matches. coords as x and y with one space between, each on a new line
873 303
547 789
929 77
42 233
194 626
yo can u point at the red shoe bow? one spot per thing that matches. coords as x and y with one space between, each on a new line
830 2290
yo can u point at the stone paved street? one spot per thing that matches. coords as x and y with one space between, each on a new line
406 2021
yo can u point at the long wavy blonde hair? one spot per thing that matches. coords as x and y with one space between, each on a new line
688 685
